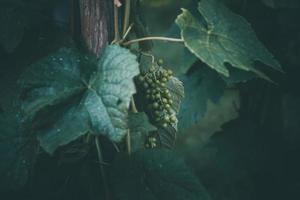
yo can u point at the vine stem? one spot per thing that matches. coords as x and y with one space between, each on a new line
116 23
126 17
128 136
166 39
102 170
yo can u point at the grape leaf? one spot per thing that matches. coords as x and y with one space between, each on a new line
139 130
18 151
176 89
154 175
225 38
68 94
200 86
168 135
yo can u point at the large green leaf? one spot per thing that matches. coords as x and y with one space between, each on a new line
176 89
18 151
68 94
154 175
202 85
224 38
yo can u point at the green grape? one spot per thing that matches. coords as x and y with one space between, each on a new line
152 69
167 118
160 61
157 113
164 100
146 85
149 80
168 95
141 78
155 105
173 119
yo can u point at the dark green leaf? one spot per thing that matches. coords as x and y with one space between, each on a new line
18 151
200 86
155 175
176 89
73 94
225 38
113 88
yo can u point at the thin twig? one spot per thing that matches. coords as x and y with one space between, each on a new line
126 16
133 106
116 23
127 32
166 39
128 142
102 170
116 147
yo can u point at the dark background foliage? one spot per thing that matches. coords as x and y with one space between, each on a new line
255 156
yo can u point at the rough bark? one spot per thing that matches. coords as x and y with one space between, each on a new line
95 23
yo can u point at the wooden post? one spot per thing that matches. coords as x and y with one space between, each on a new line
95 23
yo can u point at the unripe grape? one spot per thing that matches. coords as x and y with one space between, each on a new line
170 72
141 78
145 85
160 61
152 69
167 118
173 119
149 80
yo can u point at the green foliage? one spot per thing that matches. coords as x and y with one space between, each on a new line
69 98
154 175
140 127
17 151
201 85
223 37
79 99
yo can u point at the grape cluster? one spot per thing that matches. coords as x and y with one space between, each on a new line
157 94
151 142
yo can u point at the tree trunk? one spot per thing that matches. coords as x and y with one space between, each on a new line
95 23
